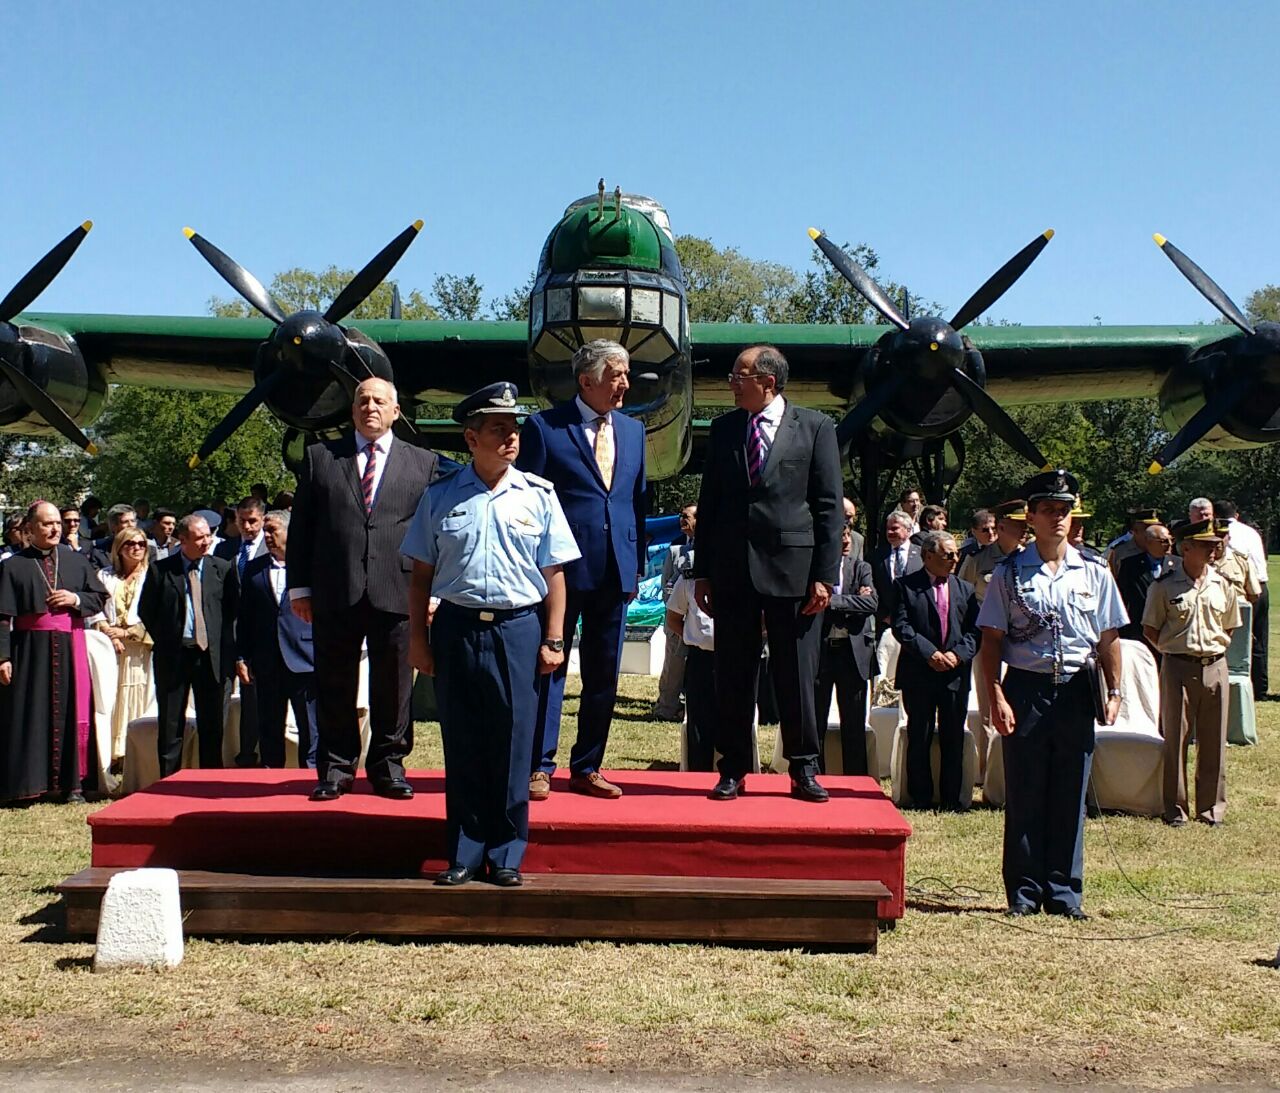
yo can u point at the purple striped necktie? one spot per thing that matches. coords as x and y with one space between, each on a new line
366 482
755 450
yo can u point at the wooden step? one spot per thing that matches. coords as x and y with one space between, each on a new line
811 913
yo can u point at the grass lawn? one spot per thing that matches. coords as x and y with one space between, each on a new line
1167 985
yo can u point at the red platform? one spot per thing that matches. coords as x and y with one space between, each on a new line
260 821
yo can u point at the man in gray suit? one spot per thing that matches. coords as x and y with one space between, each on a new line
857 544
896 557
240 551
346 576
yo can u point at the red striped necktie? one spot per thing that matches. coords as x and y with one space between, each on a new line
366 482
755 450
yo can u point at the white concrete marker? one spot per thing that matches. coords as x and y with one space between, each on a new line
140 924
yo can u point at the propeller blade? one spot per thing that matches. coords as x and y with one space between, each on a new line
236 417
860 279
397 311
995 418
1209 415
42 404
877 399
239 278
1001 281
41 274
369 278
1204 284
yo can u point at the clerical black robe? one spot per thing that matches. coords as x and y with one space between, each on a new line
40 747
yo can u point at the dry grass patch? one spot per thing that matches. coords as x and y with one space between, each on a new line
1180 997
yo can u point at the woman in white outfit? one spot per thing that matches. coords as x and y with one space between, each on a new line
123 579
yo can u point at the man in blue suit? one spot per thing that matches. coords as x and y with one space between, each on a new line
274 650
595 457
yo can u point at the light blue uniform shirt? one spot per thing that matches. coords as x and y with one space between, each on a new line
189 623
489 547
1084 594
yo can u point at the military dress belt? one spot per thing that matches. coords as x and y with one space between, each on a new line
1192 658
489 614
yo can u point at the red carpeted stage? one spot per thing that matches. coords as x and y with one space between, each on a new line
260 822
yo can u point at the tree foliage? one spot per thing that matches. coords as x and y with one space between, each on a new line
39 469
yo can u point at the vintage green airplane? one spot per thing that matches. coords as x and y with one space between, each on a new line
609 270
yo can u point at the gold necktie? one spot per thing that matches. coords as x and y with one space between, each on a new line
604 450
199 629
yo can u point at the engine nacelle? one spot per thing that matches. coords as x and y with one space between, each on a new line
53 363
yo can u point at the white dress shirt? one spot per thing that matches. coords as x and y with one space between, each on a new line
770 419
383 444
276 572
590 418
1246 538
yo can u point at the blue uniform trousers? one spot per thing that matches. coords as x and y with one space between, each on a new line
1046 769
487 692
603 612
277 689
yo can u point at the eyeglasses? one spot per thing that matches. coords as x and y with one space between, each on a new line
950 555
71 519
685 519
740 377
135 545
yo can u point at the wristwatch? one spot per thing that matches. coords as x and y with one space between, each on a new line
1113 693
556 645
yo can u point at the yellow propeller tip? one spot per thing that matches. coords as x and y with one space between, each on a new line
193 462
1048 234
91 448
417 225
1160 239
297 339
814 233
1049 467
1155 468
933 345
188 232
87 225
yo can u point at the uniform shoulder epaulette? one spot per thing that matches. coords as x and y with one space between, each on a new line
1094 557
1170 573
1009 558
538 480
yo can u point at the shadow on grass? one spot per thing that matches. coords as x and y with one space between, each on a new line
73 963
932 907
49 920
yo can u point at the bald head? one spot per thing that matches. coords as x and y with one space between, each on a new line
375 408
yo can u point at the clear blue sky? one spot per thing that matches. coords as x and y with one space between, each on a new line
946 135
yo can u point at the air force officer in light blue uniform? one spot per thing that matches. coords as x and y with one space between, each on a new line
489 541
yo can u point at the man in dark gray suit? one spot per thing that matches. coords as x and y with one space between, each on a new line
240 550
894 559
346 576
769 520
847 658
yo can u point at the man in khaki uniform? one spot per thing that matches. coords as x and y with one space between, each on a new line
1234 565
976 568
1189 616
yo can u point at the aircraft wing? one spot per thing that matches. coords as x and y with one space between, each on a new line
1025 364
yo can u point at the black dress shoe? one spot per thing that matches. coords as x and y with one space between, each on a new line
1019 910
327 791
397 790
1073 913
806 788
728 788
454 876
506 878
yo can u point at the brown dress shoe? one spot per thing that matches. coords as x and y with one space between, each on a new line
539 785
594 785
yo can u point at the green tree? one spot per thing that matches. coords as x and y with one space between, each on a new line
39 468
457 298
1263 304
151 434
514 306
724 286
822 295
301 289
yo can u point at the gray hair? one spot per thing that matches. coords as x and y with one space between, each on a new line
115 512
931 541
1200 503
183 527
280 516
591 357
897 516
